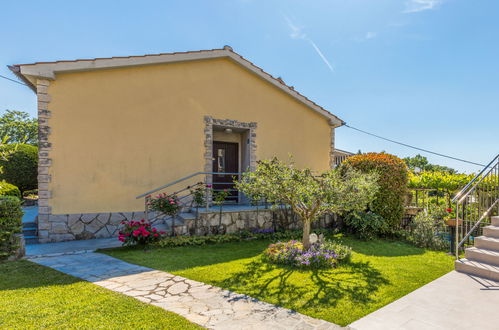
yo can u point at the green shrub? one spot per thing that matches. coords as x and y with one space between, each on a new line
20 167
236 237
10 225
343 252
392 181
7 189
366 225
427 232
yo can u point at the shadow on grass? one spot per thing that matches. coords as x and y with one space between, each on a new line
357 282
24 274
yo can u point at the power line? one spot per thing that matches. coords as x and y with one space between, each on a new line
413 147
18 82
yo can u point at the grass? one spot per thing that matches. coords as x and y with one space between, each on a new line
380 272
33 296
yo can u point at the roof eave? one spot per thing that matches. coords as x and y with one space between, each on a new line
48 70
16 69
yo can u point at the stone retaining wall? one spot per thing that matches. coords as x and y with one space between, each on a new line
67 227
235 221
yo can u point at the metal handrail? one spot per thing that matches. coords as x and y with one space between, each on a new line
180 180
458 195
484 215
491 170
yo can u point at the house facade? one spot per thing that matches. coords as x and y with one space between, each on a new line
111 129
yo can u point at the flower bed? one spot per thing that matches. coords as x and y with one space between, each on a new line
320 255
138 233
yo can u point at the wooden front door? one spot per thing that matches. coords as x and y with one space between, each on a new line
225 160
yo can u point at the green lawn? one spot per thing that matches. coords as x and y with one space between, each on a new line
380 272
33 296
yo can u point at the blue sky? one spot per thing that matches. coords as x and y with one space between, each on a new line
424 72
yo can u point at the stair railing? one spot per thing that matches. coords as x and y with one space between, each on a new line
185 198
475 203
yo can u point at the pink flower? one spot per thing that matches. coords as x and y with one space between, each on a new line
162 232
142 221
156 235
209 186
145 233
136 233
154 230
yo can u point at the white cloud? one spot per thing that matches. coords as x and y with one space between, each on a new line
296 32
371 35
414 6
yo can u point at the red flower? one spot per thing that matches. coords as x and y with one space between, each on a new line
162 232
136 233
449 210
156 235
142 221
145 233
154 230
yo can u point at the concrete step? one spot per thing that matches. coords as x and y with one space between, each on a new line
488 243
30 239
478 268
494 220
482 255
29 232
188 215
491 231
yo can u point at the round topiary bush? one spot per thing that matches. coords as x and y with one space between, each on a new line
7 189
392 181
20 167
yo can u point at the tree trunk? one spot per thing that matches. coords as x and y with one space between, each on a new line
306 234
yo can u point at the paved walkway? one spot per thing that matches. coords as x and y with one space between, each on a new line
70 247
453 301
206 305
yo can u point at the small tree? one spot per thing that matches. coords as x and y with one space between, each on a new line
18 127
309 195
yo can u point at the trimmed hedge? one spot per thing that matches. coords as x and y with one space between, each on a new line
20 167
10 225
392 180
7 189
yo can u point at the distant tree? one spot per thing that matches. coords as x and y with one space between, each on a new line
422 163
18 127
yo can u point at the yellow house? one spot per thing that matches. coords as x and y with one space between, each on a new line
114 128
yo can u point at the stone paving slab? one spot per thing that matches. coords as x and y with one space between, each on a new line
70 247
454 301
206 305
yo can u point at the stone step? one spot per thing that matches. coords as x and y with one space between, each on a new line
188 215
494 220
482 255
491 231
478 268
29 225
29 232
488 243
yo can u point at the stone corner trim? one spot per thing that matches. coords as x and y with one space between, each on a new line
44 160
331 150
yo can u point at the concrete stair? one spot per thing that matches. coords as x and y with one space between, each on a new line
482 260
30 232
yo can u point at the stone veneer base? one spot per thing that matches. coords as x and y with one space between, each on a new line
67 227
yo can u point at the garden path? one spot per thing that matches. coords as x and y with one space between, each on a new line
203 304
